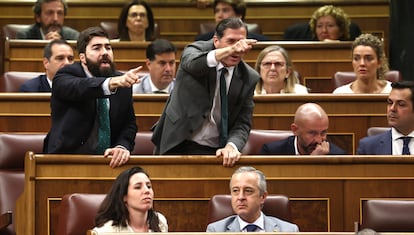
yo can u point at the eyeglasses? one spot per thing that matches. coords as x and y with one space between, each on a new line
268 65
135 14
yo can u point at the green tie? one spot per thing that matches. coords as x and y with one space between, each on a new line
104 130
224 108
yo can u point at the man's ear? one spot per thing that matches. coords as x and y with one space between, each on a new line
82 58
45 63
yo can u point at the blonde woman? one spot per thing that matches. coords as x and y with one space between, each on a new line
276 73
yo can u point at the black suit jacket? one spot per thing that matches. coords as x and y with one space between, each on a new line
209 35
73 105
191 100
302 32
33 32
286 147
37 84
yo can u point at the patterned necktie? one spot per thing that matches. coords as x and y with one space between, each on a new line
251 227
406 140
224 108
104 130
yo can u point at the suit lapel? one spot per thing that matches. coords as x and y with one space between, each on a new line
386 143
234 226
270 226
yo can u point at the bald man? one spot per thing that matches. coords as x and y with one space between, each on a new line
310 129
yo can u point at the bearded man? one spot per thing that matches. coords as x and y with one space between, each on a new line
91 103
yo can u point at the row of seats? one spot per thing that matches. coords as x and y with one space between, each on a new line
77 212
11 81
13 147
10 30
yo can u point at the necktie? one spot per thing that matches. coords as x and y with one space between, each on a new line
406 140
224 108
160 92
104 130
251 227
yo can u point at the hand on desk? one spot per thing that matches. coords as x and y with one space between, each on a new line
229 154
120 156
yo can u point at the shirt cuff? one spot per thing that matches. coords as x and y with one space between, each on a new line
211 59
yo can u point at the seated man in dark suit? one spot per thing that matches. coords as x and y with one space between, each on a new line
56 54
49 16
224 9
400 115
310 129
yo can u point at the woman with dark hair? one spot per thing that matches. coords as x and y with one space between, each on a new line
128 207
136 22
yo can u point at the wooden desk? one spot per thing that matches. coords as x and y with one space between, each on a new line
316 62
325 192
272 16
350 115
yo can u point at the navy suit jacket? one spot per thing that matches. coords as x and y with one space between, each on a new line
209 35
191 100
286 147
380 144
37 84
73 104
33 32
271 224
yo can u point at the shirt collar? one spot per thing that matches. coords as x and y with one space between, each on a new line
259 222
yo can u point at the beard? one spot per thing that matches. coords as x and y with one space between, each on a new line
96 70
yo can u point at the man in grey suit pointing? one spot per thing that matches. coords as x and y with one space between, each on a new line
192 121
248 194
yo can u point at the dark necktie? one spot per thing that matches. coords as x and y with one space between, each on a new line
104 130
251 227
160 92
406 140
224 108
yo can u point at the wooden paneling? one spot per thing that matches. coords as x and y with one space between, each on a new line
180 21
325 191
349 115
311 59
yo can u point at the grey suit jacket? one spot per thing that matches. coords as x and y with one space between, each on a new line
144 87
271 224
192 98
380 144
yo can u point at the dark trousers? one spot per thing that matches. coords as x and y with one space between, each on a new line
188 147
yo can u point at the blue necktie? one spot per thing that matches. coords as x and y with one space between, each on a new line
251 227
406 140
224 108
104 130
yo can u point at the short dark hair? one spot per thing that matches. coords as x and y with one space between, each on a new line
123 30
159 46
229 23
86 36
405 85
47 51
239 7
37 7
